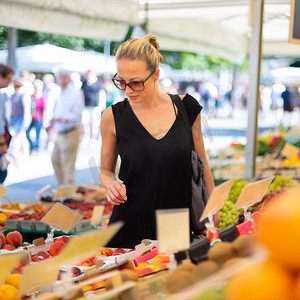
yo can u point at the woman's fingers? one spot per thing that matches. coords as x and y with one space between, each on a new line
116 193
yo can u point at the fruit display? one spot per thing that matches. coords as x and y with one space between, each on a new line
229 217
277 276
33 217
272 159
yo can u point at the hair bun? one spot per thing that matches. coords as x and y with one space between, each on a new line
152 40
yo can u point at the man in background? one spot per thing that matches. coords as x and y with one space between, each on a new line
66 120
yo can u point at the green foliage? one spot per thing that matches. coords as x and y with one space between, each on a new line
177 60
3 37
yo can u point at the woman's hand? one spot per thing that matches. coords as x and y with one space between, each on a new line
116 193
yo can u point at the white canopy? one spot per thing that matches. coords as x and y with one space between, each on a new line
49 58
212 27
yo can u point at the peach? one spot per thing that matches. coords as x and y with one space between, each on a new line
98 285
144 271
56 248
105 252
63 239
9 247
44 254
14 238
161 258
160 266
118 251
3 240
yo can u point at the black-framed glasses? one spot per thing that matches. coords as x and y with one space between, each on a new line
136 86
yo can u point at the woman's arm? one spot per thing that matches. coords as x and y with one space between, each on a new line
199 148
116 191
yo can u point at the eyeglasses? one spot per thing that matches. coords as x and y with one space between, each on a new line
136 86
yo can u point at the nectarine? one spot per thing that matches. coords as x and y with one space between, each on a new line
2 238
14 238
9 247
56 248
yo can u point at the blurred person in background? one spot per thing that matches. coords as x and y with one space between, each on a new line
20 117
6 74
38 115
66 120
91 88
27 79
51 92
76 79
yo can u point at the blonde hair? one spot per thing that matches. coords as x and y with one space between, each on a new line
145 49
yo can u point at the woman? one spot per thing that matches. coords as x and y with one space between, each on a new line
38 115
149 134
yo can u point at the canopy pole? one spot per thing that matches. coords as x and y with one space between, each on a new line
12 38
254 83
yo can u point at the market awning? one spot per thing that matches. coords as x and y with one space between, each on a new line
214 27
101 19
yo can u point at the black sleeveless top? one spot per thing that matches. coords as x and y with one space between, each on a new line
156 173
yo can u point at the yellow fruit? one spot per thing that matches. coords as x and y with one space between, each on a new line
9 291
279 227
2 219
261 282
14 280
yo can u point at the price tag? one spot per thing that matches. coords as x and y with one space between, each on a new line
38 275
65 191
252 193
173 229
61 217
97 214
2 191
7 263
217 199
290 150
84 245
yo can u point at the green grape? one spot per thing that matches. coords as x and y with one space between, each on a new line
227 216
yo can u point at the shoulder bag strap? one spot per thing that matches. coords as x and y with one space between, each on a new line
177 100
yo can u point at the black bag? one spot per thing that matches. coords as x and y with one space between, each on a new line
199 192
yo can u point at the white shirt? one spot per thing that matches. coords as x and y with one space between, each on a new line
68 106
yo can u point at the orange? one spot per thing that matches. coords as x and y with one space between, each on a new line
9 291
297 287
14 280
279 227
262 281
2 219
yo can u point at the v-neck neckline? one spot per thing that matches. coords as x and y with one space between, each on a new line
144 128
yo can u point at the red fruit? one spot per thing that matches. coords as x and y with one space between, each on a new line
3 240
118 251
144 271
105 252
56 248
9 247
36 258
62 239
14 238
44 254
